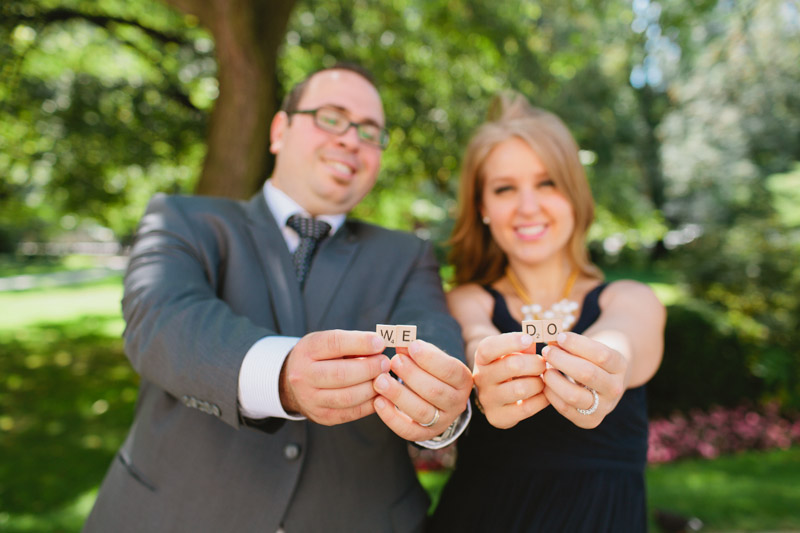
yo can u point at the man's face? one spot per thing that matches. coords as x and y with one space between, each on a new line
323 172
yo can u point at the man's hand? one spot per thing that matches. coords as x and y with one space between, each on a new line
507 375
433 382
327 377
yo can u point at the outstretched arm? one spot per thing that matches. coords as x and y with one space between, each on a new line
179 334
472 307
622 350
435 383
505 367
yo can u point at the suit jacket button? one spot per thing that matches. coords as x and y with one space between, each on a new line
291 452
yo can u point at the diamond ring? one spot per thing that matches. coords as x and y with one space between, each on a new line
596 402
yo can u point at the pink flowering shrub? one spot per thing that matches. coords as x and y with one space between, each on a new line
721 431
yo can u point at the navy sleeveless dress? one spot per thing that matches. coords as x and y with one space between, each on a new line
546 474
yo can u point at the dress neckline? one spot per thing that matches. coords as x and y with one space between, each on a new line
590 309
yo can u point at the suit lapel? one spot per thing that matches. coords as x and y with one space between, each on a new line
284 291
331 262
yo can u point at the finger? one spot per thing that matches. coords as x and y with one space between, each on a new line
329 416
428 387
579 369
336 343
438 364
494 394
593 351
339 373
401 423
416 408
514 365
570 411
510 415
573 395
496 346
343 398
517 390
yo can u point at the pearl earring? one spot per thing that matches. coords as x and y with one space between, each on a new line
486 220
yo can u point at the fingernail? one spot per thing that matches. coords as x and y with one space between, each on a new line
545 351
561 337
380 403
382 383
385 365
397 360
526 340
414 348
377 344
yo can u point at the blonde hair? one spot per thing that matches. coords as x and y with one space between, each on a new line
475 255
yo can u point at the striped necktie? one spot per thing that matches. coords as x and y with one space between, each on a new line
311 233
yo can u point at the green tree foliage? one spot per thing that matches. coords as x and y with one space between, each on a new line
99 108
439 63
104 104
686 113
732 139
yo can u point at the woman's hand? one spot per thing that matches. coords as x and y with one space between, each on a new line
507 374
594 367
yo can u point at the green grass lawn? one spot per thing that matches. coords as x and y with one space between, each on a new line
16 266
66 401
67 394
751 491
62 304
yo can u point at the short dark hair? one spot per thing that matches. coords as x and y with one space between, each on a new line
292 99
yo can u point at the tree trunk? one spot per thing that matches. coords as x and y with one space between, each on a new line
247 35
651 106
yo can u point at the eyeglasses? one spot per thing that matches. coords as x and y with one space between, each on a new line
334 121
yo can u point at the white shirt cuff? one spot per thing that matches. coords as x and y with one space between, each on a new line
461 424
259 395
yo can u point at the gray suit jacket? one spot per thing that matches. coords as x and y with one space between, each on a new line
209 277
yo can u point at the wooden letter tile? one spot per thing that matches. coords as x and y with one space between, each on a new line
550 329
389 334
406 334
533 328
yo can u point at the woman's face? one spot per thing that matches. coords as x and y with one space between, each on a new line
530 219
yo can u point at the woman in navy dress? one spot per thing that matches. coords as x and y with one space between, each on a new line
558 438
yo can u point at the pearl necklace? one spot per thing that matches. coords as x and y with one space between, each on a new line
563 309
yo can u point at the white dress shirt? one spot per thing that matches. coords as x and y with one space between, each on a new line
261 368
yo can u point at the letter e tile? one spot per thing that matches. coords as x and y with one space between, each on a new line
406 334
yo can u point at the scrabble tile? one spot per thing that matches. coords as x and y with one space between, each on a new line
406 334
533 328
550 329
389 333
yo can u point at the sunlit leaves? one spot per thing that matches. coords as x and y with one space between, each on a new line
439 62
785 190
99 90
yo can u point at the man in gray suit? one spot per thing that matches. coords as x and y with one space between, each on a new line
266 402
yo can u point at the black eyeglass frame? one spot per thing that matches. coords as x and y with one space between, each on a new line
383 134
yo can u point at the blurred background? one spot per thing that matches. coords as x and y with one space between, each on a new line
688 118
